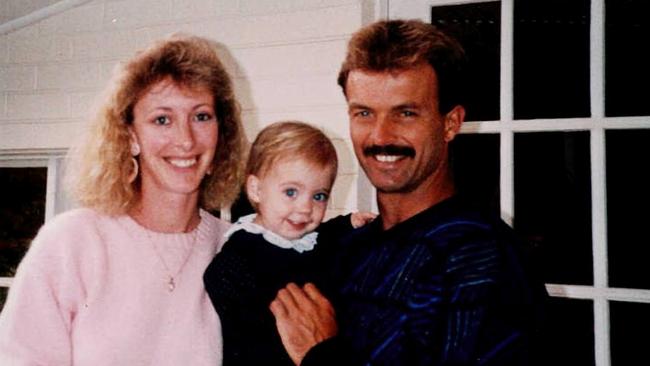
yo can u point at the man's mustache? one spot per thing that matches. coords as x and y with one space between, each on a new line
389 150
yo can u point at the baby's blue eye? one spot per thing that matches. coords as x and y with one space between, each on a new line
291 192
320 197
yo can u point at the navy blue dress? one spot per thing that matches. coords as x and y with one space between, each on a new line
245 276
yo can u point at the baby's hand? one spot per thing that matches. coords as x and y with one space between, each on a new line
359 219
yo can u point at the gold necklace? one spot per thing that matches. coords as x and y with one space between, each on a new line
171 282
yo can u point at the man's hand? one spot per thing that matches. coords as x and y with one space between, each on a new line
304 317
359 219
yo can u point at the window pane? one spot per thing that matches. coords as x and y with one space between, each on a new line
627 56
22 212
3 296
628 199
553 202
627 319
478 28
551 59
569 336
475 163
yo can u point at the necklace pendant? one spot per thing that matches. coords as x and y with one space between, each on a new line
171 285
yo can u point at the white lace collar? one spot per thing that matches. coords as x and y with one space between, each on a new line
304 244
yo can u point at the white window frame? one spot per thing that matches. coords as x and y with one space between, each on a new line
55 201
600 293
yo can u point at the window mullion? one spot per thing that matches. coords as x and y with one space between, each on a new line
507 177
601 331
51 188
597 51
599 209
506 113
599 239
507 40
598 184
5 281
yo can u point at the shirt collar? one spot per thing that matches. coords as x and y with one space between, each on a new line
303 244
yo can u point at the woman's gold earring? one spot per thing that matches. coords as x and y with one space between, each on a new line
134 173
135 151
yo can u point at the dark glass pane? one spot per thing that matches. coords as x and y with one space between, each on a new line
475 163
3 296
629 322
569 333
553 202
628 199
627 56
22 212
478 28
551 59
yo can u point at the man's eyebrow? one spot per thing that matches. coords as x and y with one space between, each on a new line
406 106
354 105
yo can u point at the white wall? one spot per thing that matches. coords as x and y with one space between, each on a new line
12 9
284 56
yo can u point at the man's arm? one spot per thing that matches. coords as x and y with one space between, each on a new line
304 318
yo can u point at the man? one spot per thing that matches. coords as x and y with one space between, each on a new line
433 281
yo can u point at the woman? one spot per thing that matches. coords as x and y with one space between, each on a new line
119 282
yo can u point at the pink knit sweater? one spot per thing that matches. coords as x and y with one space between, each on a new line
93 290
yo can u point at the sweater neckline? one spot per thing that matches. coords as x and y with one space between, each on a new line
196 235
414 222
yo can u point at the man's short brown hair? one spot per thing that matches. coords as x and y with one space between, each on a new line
390 45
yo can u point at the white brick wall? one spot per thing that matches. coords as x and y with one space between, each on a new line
88 18
11 9
17 77
28 45
284 56
4 12
4 51
69 76
37 106
41 135
188 9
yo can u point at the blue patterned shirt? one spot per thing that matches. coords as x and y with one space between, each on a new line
449 286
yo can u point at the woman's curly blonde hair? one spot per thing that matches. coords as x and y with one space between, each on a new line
99 170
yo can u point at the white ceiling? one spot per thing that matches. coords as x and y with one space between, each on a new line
12 9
